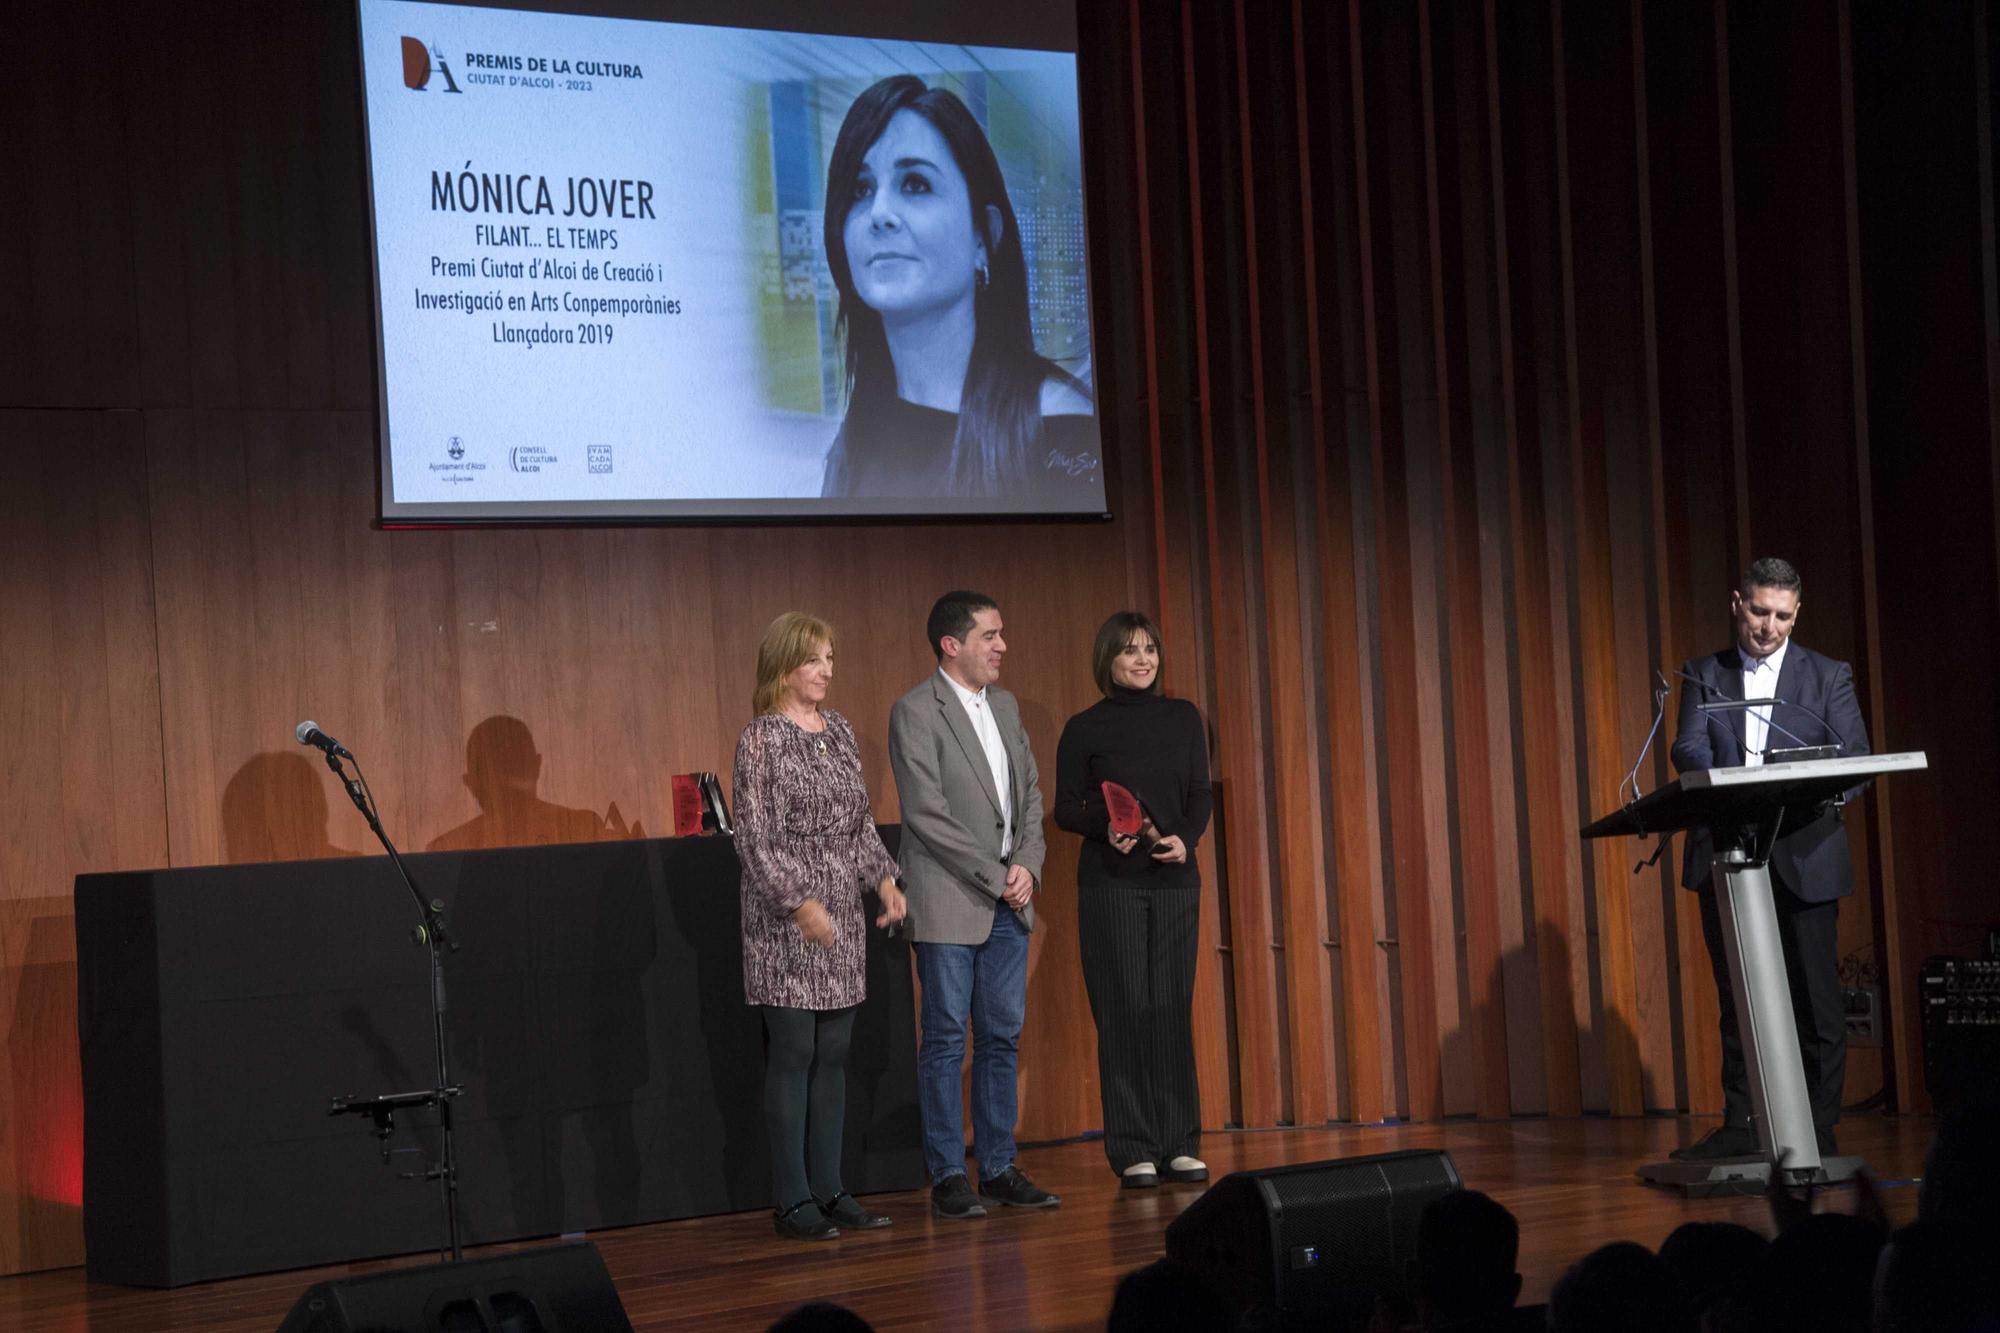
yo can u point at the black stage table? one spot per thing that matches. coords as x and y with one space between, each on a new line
612 1072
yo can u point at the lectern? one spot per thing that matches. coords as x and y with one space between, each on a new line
1744 809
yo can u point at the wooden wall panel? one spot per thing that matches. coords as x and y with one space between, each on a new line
71 334
1692 331
1470 449
1404 515
1923 81
1610 579
1216 181
1540 411
627 657
1515 1019
1165 384
1327 86
1280 422
1453 359
80 778
1803 395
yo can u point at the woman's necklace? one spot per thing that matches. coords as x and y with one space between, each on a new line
819 737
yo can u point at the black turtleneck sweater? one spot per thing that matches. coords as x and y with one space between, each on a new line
1157 749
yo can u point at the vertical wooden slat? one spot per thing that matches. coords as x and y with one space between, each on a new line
1667 1087
1148 318
1893 978
1299 855
1989 255
1610 516
1532 352
1402 541
1482 1033
1339 400
1177 619
1521 969
1254 983
1564 482
1643 630
1739 434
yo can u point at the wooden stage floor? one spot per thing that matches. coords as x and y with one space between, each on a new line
1569 1181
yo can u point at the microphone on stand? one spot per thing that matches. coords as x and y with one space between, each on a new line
1631 781
1697 680
1723 704
308 733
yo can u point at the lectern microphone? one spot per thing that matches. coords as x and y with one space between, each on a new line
1721 703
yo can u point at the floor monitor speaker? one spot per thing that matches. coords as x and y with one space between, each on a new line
555 1289
1317 1236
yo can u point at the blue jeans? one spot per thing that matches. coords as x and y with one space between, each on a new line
987 983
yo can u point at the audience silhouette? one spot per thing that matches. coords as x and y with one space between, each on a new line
1826 1271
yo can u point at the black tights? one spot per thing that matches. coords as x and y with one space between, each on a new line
805 1099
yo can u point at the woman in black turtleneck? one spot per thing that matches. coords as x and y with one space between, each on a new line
1137 913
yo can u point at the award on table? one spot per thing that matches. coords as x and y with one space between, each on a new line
698 805
1128 817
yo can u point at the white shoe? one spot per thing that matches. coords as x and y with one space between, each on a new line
1187 1170
1140 1176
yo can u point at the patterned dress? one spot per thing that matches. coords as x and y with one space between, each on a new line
803 830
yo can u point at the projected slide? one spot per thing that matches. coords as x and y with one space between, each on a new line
653 270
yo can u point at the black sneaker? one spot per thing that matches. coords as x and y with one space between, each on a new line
804 1221
1724 1141
846 1212
953 1197
1013 1188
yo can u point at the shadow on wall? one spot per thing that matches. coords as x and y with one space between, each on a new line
1527 1070
45 1174
503 771
275 809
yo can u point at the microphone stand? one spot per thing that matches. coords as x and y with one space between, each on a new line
433 934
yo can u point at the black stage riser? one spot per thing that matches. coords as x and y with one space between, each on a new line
613 1073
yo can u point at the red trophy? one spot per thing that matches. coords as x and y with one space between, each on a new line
687 794
1128 817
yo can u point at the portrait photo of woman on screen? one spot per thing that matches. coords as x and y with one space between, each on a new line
947 393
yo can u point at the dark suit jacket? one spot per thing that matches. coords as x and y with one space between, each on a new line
1810 858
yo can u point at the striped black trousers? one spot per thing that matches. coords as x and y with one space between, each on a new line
1138 944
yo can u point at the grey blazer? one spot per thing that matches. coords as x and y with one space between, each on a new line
952 872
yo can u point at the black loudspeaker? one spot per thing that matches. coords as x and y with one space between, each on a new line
561 1289
1960 1003
1322 1236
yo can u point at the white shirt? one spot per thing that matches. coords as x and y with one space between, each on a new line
980 711
1760 681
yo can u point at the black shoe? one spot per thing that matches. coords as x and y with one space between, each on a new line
1725 1141
846 1211
1013 1188
804 1221
1139 1180
1828 1145
953 1197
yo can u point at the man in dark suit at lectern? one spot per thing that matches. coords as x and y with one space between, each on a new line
1813 704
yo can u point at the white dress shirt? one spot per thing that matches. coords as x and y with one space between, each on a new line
1760 681
980 711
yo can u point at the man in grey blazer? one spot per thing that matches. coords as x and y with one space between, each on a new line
972 860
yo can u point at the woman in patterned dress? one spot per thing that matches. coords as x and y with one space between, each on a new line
808 849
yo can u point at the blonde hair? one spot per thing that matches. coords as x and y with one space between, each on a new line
787 645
